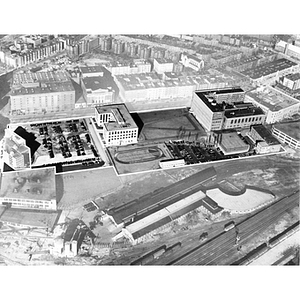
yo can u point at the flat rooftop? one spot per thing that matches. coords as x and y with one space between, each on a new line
293 77
272 99
269 68
266 135
232 141
35 184
164 61
31 218
91 69
95 83
46 88
121 115
30 77
292 129
243 111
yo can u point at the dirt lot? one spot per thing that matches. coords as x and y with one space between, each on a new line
78 187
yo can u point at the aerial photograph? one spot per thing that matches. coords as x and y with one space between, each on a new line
149 149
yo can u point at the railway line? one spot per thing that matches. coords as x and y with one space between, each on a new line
221 248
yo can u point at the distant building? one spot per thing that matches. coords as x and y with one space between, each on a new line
161 65
118 126
292 81
41 92
271 71
275 104
192 61
264 140
138 66
96 92
93 71
289 49
224 109
288 133
34 189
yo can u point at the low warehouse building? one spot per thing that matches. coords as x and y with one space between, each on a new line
231 143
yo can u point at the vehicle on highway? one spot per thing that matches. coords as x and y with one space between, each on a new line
229 226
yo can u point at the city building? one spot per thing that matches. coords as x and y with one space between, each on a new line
192 61
118 126
41 92
31 189
44 98
172 163
29 49
288 133
96 91
92 71
162 65
288 49
264 140
276 105
230 143
271 71
292 81
224 57
224 109
16 154
136 67
141 91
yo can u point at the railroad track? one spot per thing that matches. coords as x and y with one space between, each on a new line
205 253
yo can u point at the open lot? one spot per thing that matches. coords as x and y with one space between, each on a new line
77 188
169 124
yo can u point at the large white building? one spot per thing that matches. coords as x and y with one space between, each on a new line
275 104
288 49
292 81
41 92
224 109
31 189
118 126
15 153
138 66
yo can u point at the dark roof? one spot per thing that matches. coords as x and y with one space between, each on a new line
95 83
266 135
186 209
211 205
147 203
269 68
250 110
293 77
29 138
92 69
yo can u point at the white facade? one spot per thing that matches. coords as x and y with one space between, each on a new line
285 138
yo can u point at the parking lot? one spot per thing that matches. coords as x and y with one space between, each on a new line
65 143
199 152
